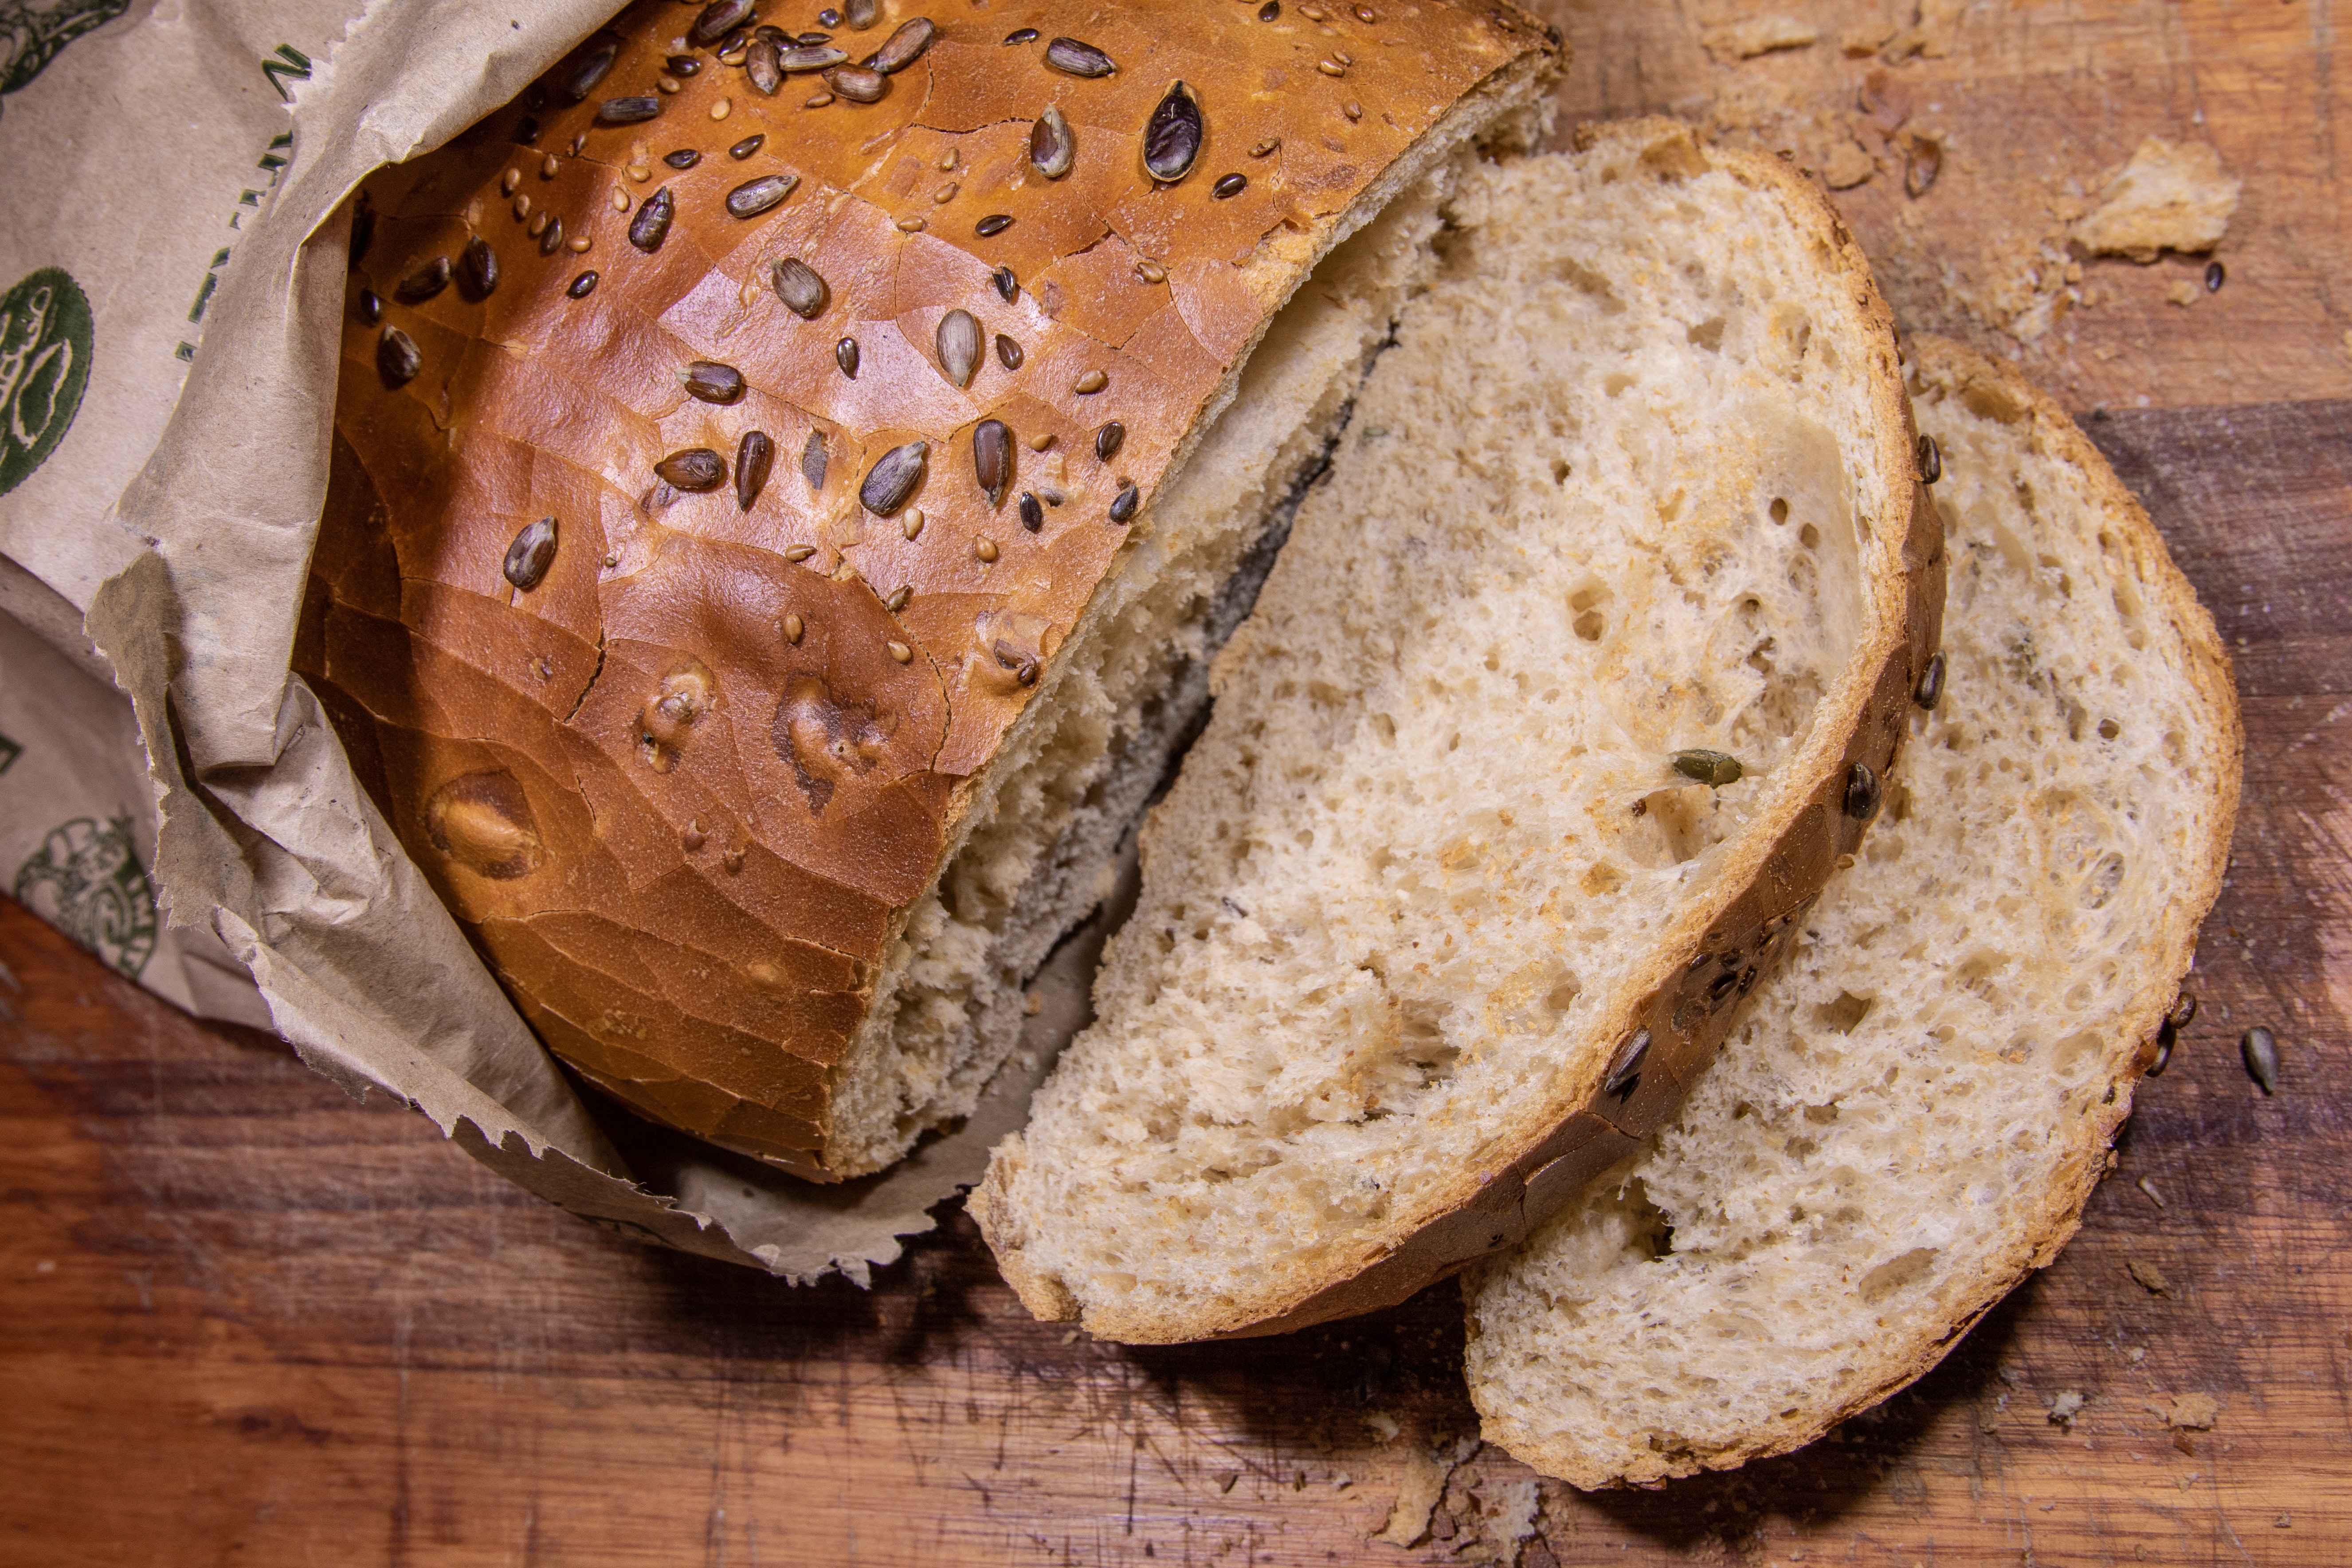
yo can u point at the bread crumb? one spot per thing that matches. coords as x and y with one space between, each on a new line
1847 165
1383 1425
1759 35
2150 1276
2064 1406
2168 198
2182 293
1424 1482
1931 34
2186 1412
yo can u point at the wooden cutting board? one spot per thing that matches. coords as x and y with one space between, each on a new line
247 1321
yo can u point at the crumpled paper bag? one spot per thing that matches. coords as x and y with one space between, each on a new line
180 517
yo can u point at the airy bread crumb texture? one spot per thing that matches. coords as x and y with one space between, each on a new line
1921 1101
1602 502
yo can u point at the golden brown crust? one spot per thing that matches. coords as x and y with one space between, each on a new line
1688 1009
1945 369
734 772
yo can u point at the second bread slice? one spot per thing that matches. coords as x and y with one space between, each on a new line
1435 925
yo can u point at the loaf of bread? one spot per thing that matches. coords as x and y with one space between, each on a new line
784 485
1912 1115
1571 685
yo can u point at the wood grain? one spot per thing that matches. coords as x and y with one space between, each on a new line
248 1321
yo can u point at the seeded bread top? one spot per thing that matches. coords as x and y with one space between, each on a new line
682 758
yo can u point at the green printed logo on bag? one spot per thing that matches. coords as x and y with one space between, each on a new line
44 344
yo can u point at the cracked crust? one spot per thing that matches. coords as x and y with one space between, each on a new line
684 790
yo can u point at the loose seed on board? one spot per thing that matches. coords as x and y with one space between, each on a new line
1171 138
806 57
812 460
1712 768
1625 1066
800 553
753 197
553 238
1151 272
1931 461
861 14
1862 792
991 459
1931 689
717 19
890 483
2215 276
684 158
1033 516
794 629
804 294
708 381
530 555
1109 440
754 455
695 468
2259 1046
958 340
651 226
576 83
1123 505
746 147
857 83
371 307
1008 286
902 47
1093 381
582 286
762 69
901 652
1051 146
397 358
627 111
1072 58
898 599
1022 36
1008 352
985 548
1229 185
844 354
424 283
992 225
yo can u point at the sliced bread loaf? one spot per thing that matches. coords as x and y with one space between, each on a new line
1435 925
1912 1115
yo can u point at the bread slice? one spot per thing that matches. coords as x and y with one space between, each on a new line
1431 928
1911 1117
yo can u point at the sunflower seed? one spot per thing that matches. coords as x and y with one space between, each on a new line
684 158
805 57
626 111
760 68
1008 286
860 14
753 197
651 226
1862 792
1123 505
755 454
1931 461
1171 138
991 459
1051 146
1073 59
1229 185
1093 381
579 77
2259 1046
1931 689
809 40
958 339
903 47
844 354
857 84
398 359
424 283
804 294
371 307
708 381
1033 516
718 18
530 555
1625 1066
582 286
1714 768
1008 352
1109 440
695 468
891 482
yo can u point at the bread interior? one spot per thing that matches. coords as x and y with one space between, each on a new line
1604 502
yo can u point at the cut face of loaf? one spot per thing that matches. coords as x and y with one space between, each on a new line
1914 1112
777 521
1432 927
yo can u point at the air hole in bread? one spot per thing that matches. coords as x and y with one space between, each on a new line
1898 1273
1708 334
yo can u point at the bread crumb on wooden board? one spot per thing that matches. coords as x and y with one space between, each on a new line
2186 1412
2168 198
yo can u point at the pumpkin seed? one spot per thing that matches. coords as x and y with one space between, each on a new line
804 294
754 455
530 555
891 482
1171 138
